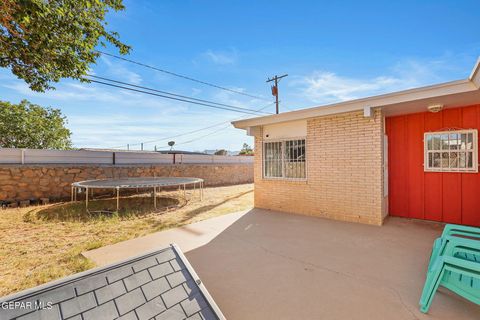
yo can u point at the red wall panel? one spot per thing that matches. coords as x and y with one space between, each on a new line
396 141
414 193
433 186
415 127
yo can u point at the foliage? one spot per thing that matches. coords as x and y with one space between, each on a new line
246 150
43 41
221 152
26 125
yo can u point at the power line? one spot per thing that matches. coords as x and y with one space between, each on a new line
235 109
212 133
198 138
215 125
168 93
180 76
171 137
190 132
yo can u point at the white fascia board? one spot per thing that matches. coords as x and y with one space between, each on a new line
439 90
475 75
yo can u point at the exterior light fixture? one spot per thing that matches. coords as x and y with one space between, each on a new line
434 108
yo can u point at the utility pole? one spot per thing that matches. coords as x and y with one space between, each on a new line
276 80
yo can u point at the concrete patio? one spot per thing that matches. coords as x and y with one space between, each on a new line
269 265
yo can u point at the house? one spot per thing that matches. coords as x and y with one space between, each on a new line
411 153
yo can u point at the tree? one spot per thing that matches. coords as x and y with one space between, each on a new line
246 150
221 152
26 125
45 41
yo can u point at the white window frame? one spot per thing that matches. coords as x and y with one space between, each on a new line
283 142
474 150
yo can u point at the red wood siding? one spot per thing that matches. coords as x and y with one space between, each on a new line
413 193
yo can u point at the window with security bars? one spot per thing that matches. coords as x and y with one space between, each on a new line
284 159
451 151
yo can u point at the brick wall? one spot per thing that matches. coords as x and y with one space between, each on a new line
23 182
344 171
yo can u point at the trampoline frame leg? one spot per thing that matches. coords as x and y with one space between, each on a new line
86 198
200 188
118 198
155 197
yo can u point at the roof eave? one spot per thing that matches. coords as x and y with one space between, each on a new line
438 90
475 75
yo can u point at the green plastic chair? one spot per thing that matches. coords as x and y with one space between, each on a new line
453 230
454 270
456 229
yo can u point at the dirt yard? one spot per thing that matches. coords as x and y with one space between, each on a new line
43 243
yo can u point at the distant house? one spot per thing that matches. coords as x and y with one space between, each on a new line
229 153
411 153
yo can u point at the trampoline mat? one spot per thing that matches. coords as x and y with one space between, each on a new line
143 182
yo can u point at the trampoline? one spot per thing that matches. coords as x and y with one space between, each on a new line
156 183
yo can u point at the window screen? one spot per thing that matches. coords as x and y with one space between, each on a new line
285 159
273 159
451 151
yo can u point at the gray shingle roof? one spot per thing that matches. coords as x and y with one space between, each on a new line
158 285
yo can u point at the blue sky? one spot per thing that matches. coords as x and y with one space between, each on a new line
332 51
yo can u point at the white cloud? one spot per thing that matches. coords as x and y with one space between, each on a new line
234 99
96 94
321 87
196 91
120 71
222 57
117 130
123 74
101 116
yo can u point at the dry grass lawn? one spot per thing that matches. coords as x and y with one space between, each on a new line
40 244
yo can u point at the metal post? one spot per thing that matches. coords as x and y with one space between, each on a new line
86 198
118 198
155 197
184 192
73 188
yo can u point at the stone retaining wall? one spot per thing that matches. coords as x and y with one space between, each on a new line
24 182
